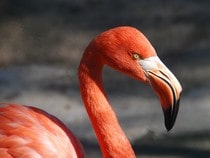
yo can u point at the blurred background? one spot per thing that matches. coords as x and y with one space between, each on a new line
42 41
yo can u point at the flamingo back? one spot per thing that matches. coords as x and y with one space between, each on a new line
33 133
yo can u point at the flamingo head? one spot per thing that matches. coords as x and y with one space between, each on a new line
127 50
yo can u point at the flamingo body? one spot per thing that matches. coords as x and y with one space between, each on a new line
28 132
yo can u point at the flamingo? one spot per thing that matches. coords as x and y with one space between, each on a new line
29 132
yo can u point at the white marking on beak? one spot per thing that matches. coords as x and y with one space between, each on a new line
150 63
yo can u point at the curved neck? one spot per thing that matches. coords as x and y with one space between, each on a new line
113 142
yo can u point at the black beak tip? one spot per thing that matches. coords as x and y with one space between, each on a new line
168 121
170 115
168 126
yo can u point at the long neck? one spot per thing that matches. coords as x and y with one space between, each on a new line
113 142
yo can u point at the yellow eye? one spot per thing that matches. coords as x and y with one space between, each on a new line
136 56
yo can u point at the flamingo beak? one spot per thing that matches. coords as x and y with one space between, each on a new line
165 85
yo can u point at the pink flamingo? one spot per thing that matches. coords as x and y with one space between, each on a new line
28 132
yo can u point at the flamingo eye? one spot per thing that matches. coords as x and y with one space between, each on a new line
136 56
